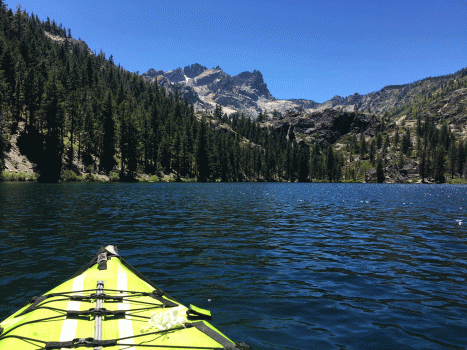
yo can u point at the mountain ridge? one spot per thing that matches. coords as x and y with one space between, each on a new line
247 92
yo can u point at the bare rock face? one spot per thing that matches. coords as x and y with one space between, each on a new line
194 70
244 93
152 73
173 81
61 40
305 104
209 77
253 85
452 108
176 76
394 173
248 93
326 126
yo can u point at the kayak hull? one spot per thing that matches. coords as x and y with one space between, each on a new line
109 305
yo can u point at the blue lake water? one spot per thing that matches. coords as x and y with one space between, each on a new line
280 266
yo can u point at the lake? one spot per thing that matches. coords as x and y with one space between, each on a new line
280 266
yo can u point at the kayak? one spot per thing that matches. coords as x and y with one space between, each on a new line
109 305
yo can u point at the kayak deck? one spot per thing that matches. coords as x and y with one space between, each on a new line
110 305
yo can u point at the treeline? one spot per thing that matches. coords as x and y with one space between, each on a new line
279 158
80 107
73 107
434 152
439 151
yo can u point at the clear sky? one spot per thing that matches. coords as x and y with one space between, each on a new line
305 49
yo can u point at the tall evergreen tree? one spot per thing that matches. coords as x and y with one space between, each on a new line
363 149
330 164
303 167
202 157
380 171
438 165
108 146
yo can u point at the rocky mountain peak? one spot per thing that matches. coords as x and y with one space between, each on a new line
254 82
176 76
209 76
152 73
245 93
194 70
337 100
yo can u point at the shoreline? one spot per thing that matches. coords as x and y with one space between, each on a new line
9 176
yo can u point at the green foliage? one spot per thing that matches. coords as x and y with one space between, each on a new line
363 149
406 142
108 142
69 176
457 181
439 166
4 141
74 102
114 176
380 171
19 176
153 178
90 178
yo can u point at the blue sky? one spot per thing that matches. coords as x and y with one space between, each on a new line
305 49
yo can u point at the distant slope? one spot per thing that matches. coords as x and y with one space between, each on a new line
396 98
248 93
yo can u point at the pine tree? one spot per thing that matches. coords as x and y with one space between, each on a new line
51 107
406 142
108 147
218 112
453 153
422 168
461 157
202 157
362 146
330 164
400 160
396 140
165 151
379 141
132 145
372 151
438 166
380 171
303 164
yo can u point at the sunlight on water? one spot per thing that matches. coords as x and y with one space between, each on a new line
281 266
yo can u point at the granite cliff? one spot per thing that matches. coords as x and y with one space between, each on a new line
248 93
325 126
245 93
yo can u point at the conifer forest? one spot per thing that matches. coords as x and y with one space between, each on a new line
69 105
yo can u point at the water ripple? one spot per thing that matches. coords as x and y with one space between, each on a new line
281 266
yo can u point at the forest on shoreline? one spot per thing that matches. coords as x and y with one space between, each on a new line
77 116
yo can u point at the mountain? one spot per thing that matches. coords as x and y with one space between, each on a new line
248 93
396 98
245 93
67 113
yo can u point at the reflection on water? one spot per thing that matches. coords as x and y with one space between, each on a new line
285 266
